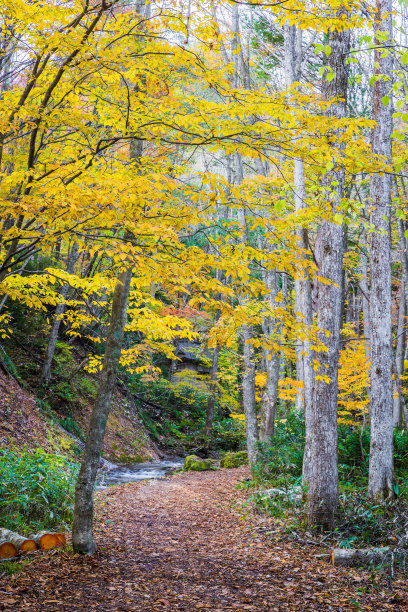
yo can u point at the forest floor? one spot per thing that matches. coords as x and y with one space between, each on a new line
188 542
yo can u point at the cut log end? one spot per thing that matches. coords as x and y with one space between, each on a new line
62 538
28 546
7 550
47 540
22 543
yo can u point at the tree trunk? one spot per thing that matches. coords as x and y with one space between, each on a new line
401 333
53 337
272 366
365 292
399 357
304 307
248 379
322 499
82 532
303 285
381 468
213 390
248 394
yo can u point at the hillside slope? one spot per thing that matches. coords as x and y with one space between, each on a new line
25 422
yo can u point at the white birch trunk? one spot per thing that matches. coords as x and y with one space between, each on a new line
401 333
381 468
322 502
272 366
248 394
248 379
303 286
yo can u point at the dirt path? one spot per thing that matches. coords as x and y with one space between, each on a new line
179 544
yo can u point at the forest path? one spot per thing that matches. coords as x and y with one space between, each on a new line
181 544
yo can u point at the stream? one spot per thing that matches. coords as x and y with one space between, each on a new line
120 474
113 474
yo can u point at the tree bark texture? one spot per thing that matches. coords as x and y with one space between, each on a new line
59 311
212 392
248 378
272 366
322 502
248 394
303 285
381 469
82 532
401 332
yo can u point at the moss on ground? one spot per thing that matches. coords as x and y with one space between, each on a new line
234 460
195 464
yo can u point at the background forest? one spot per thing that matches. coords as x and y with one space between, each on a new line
203 243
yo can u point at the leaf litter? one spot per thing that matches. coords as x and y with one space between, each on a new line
188 542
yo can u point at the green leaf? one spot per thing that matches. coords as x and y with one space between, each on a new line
318 48
385 100
382 36
330 76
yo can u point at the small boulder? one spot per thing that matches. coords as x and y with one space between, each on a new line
234 460
195 464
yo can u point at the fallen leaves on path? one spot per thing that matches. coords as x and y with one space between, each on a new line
180 543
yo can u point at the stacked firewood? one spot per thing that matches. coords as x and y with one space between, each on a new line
13 544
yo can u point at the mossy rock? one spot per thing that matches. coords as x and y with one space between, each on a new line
234 460
195 464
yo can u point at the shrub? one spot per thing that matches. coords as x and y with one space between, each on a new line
71 425
36 490
229 434
280 461
401 450
354 450
354 453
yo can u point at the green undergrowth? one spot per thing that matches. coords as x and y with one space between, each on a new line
36 490
359 522
178 421
14 567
